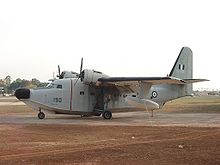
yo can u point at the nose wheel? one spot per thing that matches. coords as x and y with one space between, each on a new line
107 115
41 115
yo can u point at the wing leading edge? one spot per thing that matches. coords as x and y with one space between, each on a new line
121 81
130 82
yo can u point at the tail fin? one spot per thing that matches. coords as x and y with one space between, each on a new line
183 68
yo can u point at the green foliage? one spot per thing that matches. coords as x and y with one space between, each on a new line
10 87
35 82
2 83
5 83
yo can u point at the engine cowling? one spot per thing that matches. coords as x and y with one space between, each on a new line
91 76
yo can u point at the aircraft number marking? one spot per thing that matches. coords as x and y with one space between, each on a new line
57 99
154 94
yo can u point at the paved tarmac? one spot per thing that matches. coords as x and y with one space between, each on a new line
141 118
135 118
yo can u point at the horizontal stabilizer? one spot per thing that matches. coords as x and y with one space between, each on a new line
189 81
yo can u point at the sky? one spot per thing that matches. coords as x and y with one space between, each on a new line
117 37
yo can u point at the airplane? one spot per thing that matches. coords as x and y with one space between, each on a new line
93 93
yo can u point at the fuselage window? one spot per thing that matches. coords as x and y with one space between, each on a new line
81 93
59 86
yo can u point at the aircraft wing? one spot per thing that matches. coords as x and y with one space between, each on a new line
131 83
136 80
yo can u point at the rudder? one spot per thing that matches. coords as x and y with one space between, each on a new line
183 68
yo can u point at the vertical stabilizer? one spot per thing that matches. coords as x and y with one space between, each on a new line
183 67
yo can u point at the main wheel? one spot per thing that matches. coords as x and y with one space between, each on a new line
41 115
107 115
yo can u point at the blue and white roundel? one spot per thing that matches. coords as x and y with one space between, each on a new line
154 94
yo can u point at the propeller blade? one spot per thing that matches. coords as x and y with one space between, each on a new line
81 67
59 70
80 72
76 81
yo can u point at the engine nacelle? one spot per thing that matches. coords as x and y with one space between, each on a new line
68 74
91 76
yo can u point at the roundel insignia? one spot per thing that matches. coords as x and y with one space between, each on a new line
154 94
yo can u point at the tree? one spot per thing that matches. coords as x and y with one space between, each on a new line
25 83
35 82
43 84
7 82
10 87
2 83
15 84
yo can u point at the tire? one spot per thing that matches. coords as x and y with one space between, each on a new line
41 115
107 115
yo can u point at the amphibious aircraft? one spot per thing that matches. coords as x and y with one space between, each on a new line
91 92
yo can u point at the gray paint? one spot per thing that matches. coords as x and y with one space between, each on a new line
98 92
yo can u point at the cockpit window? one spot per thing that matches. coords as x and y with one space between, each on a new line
52 85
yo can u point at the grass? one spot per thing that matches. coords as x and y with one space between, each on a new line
202 104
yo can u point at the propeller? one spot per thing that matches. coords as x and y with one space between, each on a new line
60 75
58 71
80 76
81 66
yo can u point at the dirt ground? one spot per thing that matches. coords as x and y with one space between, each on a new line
56 144
90 144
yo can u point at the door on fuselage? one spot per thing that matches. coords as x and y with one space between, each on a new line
83 97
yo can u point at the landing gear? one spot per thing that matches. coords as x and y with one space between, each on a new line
41 115
84 116
107 115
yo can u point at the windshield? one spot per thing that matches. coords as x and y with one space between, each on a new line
52 85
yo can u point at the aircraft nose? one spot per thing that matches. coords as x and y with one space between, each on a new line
22 93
